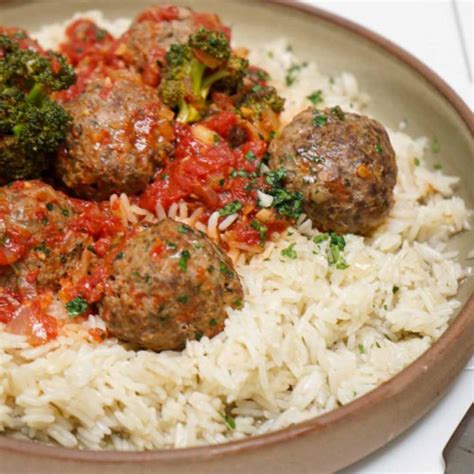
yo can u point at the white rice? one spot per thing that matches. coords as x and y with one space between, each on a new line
310 337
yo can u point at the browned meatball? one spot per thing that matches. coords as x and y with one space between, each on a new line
120 134
37 247
169 284
342 163
155 30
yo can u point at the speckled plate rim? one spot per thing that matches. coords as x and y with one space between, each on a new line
463 323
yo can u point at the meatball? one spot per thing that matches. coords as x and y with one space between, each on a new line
344 166
169 284
36 246
120 134
155 30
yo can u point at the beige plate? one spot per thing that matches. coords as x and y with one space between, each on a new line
401 88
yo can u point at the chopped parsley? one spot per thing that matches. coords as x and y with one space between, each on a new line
257 88
378 148
100 34
438 166
182 298
337 111
319 119
230 208
317 239
292 73
250 156
225 270
50 206
395 290
229 421
43 249
119 256
213 322
417 161
239 174
290 252
435 145
216 138
183 229
65 212
184 256
171 245
260 228
361 349
316 97
76 307
164 177
276 177
287 203
198 336
91 249
337 244
237 303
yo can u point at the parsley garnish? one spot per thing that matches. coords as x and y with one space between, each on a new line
337 244
184 256
378 148
435 145
292 72
438 166
171 245
229 421
275 178
230 208
213 322
319 119
76 307
417 161
225 270
43 249
183 229
290 252
337 111
250 156
50 206
182 298
361 349
316 97
260 228
395 289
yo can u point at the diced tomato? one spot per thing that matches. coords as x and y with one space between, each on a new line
98 335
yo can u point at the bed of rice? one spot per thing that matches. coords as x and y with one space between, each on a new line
309 339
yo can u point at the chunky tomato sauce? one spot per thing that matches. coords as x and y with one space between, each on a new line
215 176
224 176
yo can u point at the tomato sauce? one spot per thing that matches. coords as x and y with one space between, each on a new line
214 176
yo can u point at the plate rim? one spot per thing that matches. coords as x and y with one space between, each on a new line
463 323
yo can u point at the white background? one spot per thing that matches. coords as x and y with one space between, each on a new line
439 33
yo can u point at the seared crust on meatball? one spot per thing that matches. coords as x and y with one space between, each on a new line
120 134
169 284
342 163
37 247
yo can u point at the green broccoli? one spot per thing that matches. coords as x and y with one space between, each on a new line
260 98
194 68
32 126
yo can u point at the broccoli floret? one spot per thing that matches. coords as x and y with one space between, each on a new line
261 98
32 126
194 68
